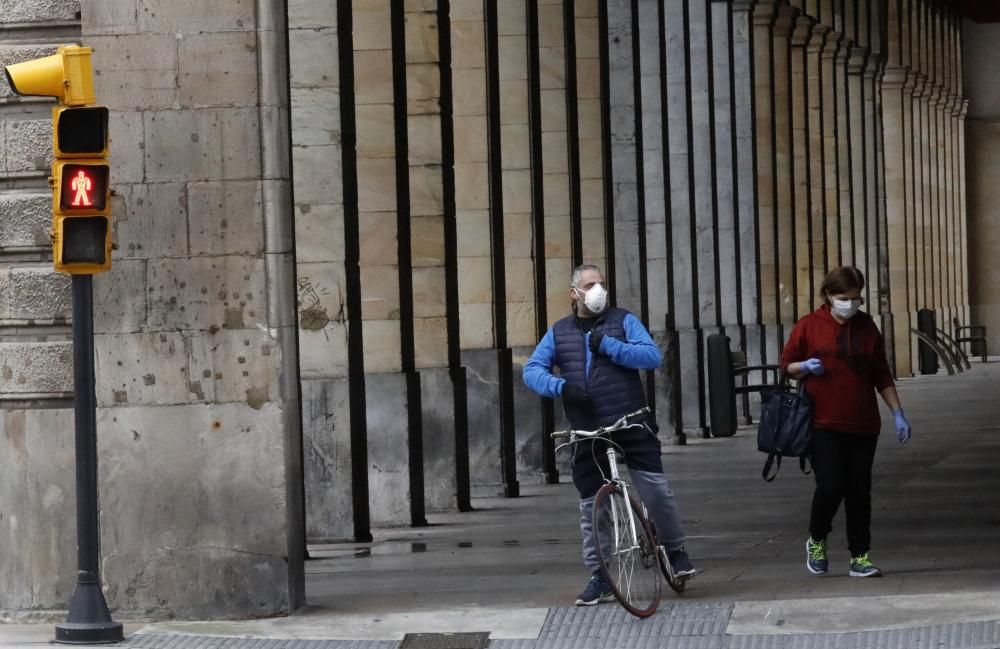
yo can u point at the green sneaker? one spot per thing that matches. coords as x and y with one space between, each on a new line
816 562
863 567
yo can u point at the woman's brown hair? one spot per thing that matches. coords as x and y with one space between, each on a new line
841 280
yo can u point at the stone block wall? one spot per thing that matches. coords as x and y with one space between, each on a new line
197 420
38 566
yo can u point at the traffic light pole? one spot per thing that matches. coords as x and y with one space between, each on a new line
89 620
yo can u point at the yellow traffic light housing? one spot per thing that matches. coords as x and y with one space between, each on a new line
80 180
80 132
81 191
66 75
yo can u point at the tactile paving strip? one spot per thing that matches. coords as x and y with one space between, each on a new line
972 635
670 642
675 619
674 626
172 641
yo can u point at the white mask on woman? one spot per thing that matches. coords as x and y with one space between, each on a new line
845 309
595 299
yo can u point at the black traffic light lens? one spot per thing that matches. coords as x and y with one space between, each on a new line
84 239
83 130
83 187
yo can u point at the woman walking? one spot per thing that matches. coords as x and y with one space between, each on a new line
839 352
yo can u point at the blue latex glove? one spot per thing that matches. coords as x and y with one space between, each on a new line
812 366
903 430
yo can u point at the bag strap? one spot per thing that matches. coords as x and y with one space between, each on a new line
803 461
768 463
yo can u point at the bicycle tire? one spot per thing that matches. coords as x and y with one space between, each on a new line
677 584
630 565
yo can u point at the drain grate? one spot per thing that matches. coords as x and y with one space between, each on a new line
445 641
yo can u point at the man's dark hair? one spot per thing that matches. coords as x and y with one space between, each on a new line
841 280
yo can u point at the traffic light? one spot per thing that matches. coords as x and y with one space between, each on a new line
81 196
80 180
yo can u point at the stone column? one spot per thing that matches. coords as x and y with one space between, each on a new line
896 194
910 61
726 171
925 298
519 231
765 14
654 155
748 270
37 531
428 264
383 194
588 71
919 267
196 379
785 253
802 172
475 281
784 171
932 209
857 145
960 177
684 319
818 116
963 212
626 158
555 161
874 194
703 140
845 180
321 267
831 113
947 167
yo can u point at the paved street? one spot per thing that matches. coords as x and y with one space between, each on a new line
512 567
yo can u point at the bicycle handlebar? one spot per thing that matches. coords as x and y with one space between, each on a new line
587 434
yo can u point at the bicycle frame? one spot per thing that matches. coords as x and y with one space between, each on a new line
615 477
623 485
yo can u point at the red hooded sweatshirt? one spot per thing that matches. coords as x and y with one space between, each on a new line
853 356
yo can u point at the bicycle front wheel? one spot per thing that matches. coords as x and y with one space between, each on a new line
627 551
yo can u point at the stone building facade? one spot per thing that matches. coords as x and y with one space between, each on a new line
342 227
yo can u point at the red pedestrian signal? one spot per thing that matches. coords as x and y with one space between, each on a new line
82 187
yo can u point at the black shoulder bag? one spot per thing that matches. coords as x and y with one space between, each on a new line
785 427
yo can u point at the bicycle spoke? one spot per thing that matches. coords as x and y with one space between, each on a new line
623 542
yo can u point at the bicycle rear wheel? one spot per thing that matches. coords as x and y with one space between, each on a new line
629 560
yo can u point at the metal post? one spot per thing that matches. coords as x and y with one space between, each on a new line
927 356
89 620
721 387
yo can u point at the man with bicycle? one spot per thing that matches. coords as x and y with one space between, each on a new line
599 352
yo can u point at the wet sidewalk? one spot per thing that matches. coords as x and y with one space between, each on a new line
511 569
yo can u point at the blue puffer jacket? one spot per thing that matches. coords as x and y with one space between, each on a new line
611 377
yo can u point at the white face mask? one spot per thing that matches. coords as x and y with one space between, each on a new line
845 309
595 299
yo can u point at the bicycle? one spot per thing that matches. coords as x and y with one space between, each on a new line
632 561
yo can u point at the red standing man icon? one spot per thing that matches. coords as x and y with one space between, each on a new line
81 185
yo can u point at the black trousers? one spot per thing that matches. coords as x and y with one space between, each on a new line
842 463
590 461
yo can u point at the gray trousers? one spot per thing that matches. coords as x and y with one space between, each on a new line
654 491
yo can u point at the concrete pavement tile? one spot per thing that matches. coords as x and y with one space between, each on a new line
842 614
325 625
